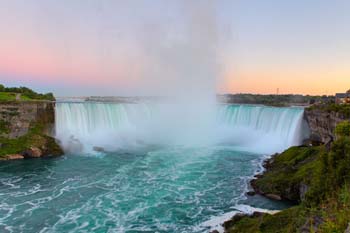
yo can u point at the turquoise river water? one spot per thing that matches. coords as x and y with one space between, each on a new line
138 185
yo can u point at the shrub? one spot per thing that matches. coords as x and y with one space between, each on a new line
27 93
343 129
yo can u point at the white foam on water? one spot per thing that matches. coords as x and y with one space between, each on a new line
215 223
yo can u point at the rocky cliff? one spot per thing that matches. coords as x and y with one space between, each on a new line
322 124
314 178
25 129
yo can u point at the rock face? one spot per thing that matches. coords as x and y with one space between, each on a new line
17 117
14 157
347 229
322 124
25 129
32 152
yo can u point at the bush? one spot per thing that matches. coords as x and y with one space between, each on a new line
343 109
343 129
27 93
334 172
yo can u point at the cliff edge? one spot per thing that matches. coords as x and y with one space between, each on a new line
323 119
25 129
315 178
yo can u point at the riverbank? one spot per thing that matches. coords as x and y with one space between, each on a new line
25 129
315 180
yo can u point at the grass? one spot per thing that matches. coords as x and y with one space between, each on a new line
336 211
5 96
283 222
11 96
14 146
294 166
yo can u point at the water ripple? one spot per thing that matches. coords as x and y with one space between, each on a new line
168 190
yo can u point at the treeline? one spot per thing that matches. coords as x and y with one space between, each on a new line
343 109
27 92
275 100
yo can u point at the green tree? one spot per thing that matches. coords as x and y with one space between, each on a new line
343 129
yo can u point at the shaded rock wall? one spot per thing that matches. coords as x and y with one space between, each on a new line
25 129
17 117
322 124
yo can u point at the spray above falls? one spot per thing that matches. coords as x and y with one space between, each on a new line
178 60
181 63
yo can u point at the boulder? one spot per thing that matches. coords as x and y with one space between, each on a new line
347 229
303 188
313 224
15 156
257 214
98 149
12 157
215 231
228 224
251 193
273 196
33 152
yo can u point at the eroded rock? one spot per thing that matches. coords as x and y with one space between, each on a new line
273 196
33 152
12 157
233 220
347 229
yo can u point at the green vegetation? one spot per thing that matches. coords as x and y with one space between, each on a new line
324 205
296 166
343 109
5 96
286 221
23 130
276 100
25 94
4 129
34 138
343 129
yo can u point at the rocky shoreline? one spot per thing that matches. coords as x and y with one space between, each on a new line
257 189
299 176
26 128
271 183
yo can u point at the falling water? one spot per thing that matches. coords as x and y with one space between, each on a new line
111 126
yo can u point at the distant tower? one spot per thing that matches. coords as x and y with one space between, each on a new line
277 91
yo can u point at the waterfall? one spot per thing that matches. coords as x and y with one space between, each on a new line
85 125
262 128
92 126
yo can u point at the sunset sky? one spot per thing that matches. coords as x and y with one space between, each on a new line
88 47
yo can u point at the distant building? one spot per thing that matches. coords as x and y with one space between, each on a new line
342 98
